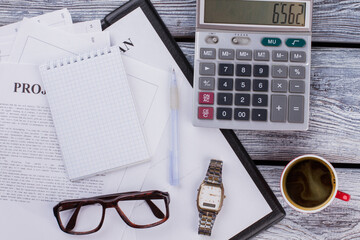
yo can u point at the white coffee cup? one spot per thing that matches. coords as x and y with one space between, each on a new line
307 177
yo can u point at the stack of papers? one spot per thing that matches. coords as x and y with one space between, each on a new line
33 176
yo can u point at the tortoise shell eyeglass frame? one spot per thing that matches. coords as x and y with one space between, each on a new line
111 201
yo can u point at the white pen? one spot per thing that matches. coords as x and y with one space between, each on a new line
174 105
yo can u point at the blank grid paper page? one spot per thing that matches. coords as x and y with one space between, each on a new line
94 113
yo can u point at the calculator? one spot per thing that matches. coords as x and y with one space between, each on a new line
252 64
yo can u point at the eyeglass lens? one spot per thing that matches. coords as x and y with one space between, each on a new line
83 219
144 212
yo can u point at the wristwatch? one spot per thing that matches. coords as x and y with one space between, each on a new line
210 197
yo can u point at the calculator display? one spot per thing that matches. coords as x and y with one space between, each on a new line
255 12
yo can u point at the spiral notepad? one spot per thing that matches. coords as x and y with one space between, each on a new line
94 113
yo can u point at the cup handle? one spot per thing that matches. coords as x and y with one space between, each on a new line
343 196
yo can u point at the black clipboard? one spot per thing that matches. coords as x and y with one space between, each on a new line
278 212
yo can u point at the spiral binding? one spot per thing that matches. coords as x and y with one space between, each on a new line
80 58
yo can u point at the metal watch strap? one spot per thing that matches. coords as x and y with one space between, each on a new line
206 222
207 218
214 172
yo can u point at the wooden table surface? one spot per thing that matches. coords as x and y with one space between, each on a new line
335 103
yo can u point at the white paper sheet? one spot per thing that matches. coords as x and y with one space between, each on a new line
32 174
36 43
150 88
5 50
7 39
8 33
197 147
79 27
6 42
82 27
56 18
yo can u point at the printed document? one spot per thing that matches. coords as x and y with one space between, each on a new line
33 178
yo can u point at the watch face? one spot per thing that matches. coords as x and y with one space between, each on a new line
210 197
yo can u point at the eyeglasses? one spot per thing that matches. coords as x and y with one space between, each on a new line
85 216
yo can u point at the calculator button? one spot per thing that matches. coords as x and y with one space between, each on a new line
243 54
260 85
261 55
206 98
242 114
205 113
207 53
227 54
226 69
225 84
295 42
298 56
279 85
242 99
224 98
242 84
280 56
206 83
260 100
278 108
207 69
279 71
297 86
296 109
271 42
224 113
243 70
297 72
259 115
261 70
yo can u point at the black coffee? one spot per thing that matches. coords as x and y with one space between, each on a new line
309 183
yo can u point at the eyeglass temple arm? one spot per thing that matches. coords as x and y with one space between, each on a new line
72 222
156 211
